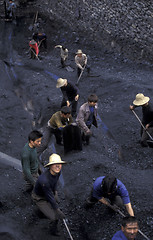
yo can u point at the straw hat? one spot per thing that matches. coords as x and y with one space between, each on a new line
54 159
140 100
60 82
79 52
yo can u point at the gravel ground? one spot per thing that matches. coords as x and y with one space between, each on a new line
28 94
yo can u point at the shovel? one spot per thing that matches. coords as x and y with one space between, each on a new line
150 142
80 76
34 54
64 221
31 27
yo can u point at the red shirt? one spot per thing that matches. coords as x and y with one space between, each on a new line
35 47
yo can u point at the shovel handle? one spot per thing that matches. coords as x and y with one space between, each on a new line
142 124
80 75
67 229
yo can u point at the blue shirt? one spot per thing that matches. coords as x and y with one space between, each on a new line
91 116
46 186
121 190
119 236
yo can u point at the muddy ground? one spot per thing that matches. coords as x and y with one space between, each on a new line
28 95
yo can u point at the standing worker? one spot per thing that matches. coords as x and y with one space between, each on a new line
87 116
70 94
34 49
45 192
147 116
81 62
64 54
9 7
111 192
129 229
29 160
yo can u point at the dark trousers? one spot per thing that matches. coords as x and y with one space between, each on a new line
43 43
145 137
63 62
33 53
86 138
47 136
28 184
73 105
79 70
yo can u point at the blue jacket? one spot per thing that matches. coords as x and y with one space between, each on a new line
121 190
119 236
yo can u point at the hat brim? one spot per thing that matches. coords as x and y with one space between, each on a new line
79 52
58 162
61 85
33 42
142 102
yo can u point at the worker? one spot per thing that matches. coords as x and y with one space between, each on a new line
29 159
9 7
45 192
129 229
147 116
87 116
34 49
41 39
81 62
111 192
70 94
64 54
55 126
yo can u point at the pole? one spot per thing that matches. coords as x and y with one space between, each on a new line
36 16
80 75
34 53
67 229
123 215
142 125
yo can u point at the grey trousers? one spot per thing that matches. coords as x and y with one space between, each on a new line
28 185
44 207
46 138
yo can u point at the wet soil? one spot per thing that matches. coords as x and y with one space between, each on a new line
29 96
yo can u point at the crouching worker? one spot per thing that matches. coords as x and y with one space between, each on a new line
10 7
111 192
129 229
55 126
41 39
45 192
34 50
87 116
29 160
